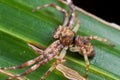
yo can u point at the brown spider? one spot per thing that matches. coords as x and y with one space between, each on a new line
65 39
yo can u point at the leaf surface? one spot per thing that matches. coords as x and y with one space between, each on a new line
18 25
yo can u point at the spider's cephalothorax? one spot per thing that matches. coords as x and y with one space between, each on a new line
65 35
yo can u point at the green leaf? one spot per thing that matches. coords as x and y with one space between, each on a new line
18 25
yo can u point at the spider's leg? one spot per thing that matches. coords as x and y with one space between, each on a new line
10 74
28 63
56 7
51 68
77 25
59 61
38 50
74 49
72 15
46 58
100 39
84 53
33 68
86 61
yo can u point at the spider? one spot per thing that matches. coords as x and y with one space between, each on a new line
65 38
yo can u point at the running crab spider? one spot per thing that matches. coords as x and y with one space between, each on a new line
65 39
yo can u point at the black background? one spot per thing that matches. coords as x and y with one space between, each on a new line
108 10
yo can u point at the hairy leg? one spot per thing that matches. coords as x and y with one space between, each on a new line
100 39
86 61
40 60
59 61
10 74
77 25
33 68
73 13
26 64
56 7
83 51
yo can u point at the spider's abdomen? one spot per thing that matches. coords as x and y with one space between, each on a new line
85 46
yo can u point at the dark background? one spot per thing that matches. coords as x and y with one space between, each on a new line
109 10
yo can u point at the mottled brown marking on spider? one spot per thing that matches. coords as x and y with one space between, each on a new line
65 35
65 39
